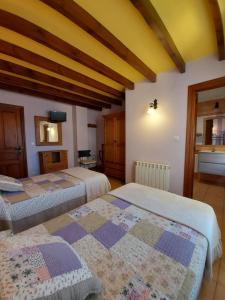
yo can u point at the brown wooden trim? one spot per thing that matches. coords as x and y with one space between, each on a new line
152 18
16 81
82 18
30 73
42 36
37 120
92 125
21 108
191 129
38 60
115 114
218 22
43 96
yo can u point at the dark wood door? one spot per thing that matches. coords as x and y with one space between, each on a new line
12 141
114 145
208 132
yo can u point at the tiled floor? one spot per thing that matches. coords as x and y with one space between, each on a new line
215 196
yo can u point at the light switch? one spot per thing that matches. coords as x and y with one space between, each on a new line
176 138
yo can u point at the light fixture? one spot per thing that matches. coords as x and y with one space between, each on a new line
216 107
152 107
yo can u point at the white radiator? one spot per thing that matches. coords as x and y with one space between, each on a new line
152 174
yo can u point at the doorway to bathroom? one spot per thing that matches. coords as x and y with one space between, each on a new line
205 137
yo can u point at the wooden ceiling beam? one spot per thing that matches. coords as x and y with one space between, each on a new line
218 22
33 93
83 19
42 36
40 61
30 73
152 18
20 82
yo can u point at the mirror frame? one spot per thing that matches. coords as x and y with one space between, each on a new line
37 120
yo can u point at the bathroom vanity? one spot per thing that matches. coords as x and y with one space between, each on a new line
211 165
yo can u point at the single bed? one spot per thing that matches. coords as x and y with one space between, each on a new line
49 195
136 253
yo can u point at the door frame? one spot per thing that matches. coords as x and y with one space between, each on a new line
191 130
21 111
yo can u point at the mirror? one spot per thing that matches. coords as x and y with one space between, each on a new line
210 130
47 133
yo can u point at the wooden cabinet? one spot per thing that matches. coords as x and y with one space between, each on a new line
52 161
114 145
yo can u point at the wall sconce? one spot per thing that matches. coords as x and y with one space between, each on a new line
216 107
152 107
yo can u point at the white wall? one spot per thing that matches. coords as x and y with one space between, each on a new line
82 132
39 107
155 139
91 138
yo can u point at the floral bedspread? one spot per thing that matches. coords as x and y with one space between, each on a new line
135 253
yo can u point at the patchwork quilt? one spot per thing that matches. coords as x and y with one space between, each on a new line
135 253
40 193
39 185
40 266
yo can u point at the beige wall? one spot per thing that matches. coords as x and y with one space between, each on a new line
162 138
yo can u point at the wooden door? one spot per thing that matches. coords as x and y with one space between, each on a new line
119 145
12 141
114 145
208 131
109 140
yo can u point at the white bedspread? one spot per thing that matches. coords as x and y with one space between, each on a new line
97 184
195 214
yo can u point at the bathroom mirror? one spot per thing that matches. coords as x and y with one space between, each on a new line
210 130
47 133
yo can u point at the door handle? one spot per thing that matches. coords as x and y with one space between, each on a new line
19 149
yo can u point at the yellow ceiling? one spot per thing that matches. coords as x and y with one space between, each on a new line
189 23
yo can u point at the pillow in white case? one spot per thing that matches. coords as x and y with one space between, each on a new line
10 184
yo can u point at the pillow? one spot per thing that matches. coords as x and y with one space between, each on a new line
10 184
44 267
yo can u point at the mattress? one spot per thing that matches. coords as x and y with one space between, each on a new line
135 253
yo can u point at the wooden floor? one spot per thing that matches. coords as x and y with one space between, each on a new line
215 196
115 183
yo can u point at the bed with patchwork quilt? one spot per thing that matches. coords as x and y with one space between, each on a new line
46 196
136 253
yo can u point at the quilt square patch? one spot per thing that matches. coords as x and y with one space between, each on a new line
71 233
103 208
146 232
175 247
14 197
163 273
92 221
109 234
131 250
90 249
136 288
114 274
60 222
80 212
59 258
62 183
137 212
108 198
120 203
125 220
